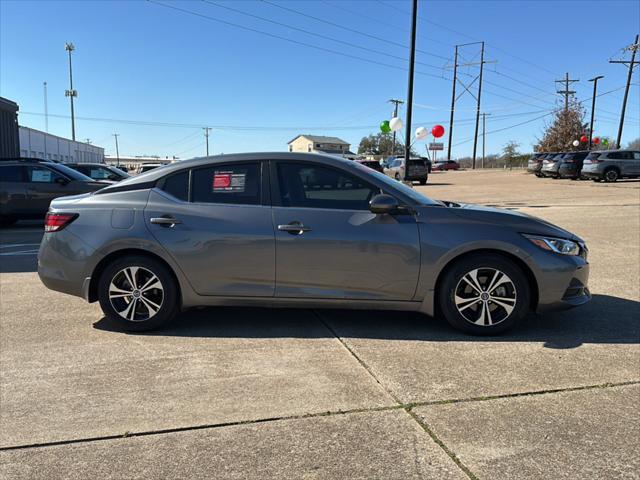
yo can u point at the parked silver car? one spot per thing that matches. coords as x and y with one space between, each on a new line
419 169
611 165
303 230
550 165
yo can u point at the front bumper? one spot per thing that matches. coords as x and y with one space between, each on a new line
563 281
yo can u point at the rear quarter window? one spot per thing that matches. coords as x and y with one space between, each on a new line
177 185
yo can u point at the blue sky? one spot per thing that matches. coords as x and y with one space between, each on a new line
156 75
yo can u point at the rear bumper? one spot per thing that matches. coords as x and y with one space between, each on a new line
591 174
549 172
569 171
63 262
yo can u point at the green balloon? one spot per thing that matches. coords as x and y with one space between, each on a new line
384 126
605 142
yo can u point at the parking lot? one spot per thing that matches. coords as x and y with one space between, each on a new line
321 394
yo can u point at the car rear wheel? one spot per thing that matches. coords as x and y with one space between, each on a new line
484 295
611 175
423 182
397 177
138 293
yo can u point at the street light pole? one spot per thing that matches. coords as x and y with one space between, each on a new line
593 106
71 93
412 61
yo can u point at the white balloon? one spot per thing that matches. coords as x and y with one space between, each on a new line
576 143
421 133
395 123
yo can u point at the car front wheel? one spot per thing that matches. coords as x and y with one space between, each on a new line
138 293
484 295
611 175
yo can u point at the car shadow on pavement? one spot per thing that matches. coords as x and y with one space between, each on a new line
606 320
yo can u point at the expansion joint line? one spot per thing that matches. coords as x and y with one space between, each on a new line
408 408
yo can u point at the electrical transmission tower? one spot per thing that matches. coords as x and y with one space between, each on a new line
566 92
633 48
467 89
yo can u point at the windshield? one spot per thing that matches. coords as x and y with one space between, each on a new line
70 172
408 191
118 172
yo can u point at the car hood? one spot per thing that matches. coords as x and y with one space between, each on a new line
519 221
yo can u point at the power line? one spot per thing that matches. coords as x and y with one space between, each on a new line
290 40
319 35
349 29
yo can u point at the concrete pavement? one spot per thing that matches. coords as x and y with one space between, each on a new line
265 393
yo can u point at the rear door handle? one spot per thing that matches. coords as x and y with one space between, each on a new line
294 228
165 221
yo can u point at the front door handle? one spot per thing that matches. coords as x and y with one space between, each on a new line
165 221
294 228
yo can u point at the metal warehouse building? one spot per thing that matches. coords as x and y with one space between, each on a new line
9 147
38 144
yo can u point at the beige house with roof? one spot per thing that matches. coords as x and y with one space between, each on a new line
319 144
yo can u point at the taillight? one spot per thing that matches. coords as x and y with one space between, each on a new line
54 222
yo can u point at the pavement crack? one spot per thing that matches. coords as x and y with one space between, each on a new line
406 407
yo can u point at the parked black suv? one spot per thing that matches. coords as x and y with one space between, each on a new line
99 171
28 186
571 164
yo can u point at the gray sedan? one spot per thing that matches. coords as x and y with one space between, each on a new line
303 230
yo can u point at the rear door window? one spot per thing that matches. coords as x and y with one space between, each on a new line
232 183
12 173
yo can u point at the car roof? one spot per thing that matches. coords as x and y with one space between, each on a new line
157 173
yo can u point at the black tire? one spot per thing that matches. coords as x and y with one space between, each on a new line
397 177
6 221
517 290
423 182
611 175
168 300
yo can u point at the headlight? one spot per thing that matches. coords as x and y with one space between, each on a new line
558 245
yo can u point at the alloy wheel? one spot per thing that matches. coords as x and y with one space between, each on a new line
136 293
611 175
485 296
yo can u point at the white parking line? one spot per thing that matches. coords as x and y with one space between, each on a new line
13 245
19 252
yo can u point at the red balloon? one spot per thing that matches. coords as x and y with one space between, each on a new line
584 139
437 131
596 140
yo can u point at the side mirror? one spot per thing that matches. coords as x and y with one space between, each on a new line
383 203
62 180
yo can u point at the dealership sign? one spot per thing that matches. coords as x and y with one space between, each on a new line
436 146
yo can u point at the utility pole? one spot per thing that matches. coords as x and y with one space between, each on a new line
71 93
116 135
630 64
395 102
566 92
484 131
475 136
206 137
593 106
46 109
453 102
412 61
